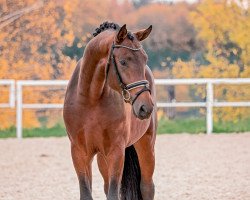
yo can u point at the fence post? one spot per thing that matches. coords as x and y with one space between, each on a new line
12 94
19 111
210 98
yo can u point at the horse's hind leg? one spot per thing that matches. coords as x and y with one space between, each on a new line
145 151
82 164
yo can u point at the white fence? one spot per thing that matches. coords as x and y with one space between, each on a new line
20 105
209 104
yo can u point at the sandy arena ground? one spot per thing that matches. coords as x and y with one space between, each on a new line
188 167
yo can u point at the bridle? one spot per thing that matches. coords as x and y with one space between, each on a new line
126 88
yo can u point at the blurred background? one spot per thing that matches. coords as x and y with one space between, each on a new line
43 40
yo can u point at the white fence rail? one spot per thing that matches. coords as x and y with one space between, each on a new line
11 84
209 104
20 105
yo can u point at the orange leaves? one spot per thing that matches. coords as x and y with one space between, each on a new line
33 43
225 29
184 69
31 48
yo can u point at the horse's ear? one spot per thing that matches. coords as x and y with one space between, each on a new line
143 34
121 35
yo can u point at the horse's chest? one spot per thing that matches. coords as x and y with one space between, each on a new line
103 119
100 123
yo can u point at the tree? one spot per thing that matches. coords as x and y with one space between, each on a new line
31 47
9 18
173 34
228 40
228 48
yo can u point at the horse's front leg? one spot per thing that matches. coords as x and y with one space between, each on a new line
82 163
103 168
115 161
146 156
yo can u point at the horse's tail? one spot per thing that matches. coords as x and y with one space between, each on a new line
131 178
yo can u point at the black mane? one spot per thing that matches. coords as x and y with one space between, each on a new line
104 26
110 25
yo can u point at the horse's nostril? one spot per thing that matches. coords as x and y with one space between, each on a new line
143 112
143 109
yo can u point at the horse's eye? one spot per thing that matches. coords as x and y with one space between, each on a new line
123 62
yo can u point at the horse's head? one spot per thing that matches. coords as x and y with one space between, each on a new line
129 62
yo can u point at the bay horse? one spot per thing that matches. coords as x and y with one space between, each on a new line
109 111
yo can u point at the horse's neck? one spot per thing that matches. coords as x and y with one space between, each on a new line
93 71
